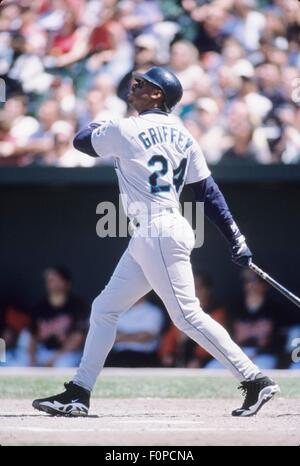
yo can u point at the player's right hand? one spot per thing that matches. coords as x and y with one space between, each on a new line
240 253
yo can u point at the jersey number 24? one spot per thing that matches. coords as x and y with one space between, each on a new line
178 174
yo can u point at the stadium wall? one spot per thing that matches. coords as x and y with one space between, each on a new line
48 216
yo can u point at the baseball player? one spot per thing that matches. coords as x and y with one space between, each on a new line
154 157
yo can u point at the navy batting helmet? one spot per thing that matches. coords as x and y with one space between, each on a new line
166 81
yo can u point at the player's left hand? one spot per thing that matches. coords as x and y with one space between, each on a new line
240 253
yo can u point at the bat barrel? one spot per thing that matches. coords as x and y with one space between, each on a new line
288 294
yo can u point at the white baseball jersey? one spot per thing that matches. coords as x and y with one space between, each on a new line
154 157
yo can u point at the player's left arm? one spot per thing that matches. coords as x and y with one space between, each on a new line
217 211
206 190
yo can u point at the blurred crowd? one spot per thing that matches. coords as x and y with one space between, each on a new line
52 333
68 62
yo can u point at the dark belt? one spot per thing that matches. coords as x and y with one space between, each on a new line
136 222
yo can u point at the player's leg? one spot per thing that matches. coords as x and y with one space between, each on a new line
126 286
170 275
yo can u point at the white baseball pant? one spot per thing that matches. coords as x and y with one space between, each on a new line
160 262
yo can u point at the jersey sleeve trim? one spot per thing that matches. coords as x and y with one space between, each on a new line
195 179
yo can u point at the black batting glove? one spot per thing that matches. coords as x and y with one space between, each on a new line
240 253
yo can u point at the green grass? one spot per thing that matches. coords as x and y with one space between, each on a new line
28 387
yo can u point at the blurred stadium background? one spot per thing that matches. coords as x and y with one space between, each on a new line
68 62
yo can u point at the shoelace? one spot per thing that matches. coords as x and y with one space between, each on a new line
248 390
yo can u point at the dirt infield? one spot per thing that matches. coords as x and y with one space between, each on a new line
168 407
152 422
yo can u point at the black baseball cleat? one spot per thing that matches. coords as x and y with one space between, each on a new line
257 392
75 401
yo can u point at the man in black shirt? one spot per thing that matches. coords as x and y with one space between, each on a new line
257 323
58 323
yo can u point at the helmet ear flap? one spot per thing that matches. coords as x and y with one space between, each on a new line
165 107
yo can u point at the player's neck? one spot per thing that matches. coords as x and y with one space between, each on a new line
153 110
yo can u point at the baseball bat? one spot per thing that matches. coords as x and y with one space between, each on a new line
288 294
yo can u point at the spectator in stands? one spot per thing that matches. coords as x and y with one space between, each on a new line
63 92
211 136
269 78
138 16
256 325
258 105
107 29
176 349
22 125
97 106
63 153
109 43
185 64
11 45
69 44
14 330
37 141
28 67
42 141
10 16
138 335
248 24
6 140
113 103
211 19
248 143
58 323
145 56
232 52
289 121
